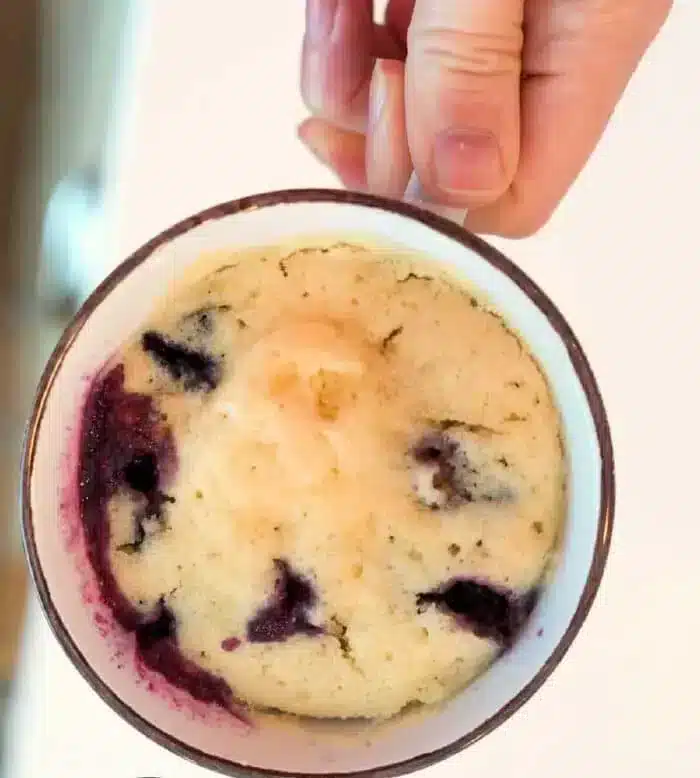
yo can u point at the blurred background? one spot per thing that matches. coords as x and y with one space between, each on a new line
58 69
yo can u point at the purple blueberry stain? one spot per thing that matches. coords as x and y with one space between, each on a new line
126 445
156 642
445 477
287 613
142 475
440 457
230 644
490 612
158 628
195 369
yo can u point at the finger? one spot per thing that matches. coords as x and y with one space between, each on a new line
338 54
340 150
390 37
397 18
463 96
571 87
337 60
388 160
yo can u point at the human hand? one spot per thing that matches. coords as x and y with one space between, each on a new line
496 104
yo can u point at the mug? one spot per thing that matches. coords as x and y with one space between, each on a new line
277 745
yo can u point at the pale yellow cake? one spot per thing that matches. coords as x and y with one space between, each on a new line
368 480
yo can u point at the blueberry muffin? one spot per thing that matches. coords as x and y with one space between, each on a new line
325 481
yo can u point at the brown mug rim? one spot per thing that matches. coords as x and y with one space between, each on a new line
487 253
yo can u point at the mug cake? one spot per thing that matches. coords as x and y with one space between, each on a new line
324 480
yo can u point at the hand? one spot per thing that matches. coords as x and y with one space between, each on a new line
497 104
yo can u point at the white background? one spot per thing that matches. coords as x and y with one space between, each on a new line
213 103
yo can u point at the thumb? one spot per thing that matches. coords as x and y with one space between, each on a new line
462 97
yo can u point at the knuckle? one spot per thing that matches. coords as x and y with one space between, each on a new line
311 93
315 103
530 209
468 53
334 90
526 223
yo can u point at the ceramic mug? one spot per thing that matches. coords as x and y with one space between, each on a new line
278 745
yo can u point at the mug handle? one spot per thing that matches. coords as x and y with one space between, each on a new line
414 194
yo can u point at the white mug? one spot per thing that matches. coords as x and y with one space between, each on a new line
278 745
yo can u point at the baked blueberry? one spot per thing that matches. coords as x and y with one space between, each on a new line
196 369
157 629
445 476
141 473
156 644
287 612
124 444
440 477
488 611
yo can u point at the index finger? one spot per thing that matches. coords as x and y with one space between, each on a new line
341 45
337 60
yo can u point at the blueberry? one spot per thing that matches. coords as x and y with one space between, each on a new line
441 458
141 474
153 510
158 629
435 448
446 477
196 369
125 442
118 428
488 611
156 644
287 612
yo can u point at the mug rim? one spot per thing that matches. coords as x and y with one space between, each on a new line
487 253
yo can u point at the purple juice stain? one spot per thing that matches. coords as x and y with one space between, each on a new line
287 612
156 641
442 453
125 445
141 473
454 476
230 644
197 370
488 611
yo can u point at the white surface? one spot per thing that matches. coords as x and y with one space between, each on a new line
216 99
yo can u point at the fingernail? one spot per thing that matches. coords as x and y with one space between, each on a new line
320 18
468 161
